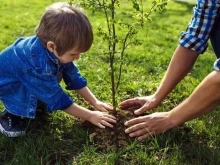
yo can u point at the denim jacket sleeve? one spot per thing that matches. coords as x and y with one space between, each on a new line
37 73
72 78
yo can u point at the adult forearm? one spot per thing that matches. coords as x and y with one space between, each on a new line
203 99
180 65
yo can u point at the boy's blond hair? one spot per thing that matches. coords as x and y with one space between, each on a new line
67 26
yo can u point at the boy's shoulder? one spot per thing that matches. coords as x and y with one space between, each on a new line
31 41
29 45
31 51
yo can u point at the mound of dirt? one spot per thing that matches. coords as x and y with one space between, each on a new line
110 139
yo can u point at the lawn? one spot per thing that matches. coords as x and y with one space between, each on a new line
57 139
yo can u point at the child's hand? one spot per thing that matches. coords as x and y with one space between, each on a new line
102 119
102 106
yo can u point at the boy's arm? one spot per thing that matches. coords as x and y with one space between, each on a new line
87 95
75 81
100 119
90 97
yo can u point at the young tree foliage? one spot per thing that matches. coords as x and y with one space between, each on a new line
120 33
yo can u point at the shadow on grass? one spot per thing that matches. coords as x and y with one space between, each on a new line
55 140
188 146
47 142
178 145
189 4
181 145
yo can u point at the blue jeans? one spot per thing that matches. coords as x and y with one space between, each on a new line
215 38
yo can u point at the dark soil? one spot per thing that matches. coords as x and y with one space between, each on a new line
110 139
113 139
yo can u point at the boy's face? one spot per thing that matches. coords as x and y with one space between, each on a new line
68 56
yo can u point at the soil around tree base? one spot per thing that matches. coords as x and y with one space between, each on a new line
110 139
113 139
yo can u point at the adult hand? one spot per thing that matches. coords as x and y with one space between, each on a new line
102 106
141 104
102 119
144 126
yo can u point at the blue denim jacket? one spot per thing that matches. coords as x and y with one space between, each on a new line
28 72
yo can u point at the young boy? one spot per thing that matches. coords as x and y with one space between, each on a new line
30 66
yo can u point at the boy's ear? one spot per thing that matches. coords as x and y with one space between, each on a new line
51 46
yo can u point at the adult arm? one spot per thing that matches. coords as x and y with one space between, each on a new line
203 99
181 63
193 42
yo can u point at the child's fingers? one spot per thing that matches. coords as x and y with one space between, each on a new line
109 120
103 122
109 116
103 109
100 125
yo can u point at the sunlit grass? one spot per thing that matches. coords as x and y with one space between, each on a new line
59 139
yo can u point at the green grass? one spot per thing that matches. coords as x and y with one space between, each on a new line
60 140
